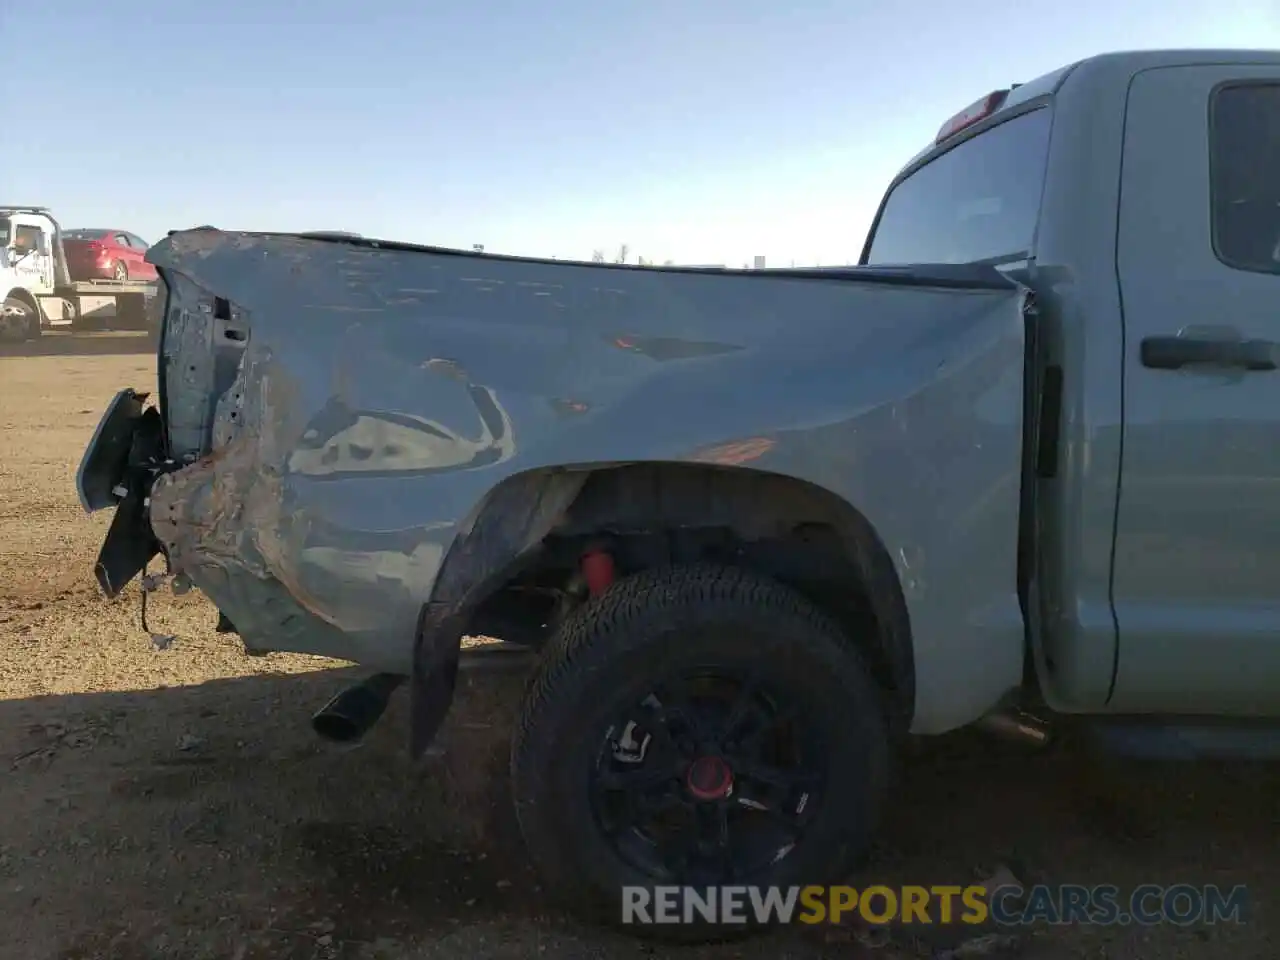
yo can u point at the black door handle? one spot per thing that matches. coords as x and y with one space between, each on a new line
1173 353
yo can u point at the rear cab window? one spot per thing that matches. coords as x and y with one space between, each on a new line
977 202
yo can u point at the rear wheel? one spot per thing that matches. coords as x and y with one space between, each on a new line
121 271
697 726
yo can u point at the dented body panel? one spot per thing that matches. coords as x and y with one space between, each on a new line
343 411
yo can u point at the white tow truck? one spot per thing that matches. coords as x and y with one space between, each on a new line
39 293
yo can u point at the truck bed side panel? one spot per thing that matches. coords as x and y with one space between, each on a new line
364 401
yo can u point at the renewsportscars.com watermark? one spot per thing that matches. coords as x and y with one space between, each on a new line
1147 905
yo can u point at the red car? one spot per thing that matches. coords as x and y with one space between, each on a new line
106 255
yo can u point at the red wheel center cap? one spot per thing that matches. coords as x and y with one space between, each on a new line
709 778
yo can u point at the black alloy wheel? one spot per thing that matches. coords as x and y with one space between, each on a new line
708 779
697 726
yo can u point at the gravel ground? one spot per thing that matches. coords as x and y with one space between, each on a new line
174 803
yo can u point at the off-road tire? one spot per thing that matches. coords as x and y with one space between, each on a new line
665 618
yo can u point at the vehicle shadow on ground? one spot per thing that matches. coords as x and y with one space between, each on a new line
207 821
86 344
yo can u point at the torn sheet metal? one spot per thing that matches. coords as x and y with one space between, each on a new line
345 407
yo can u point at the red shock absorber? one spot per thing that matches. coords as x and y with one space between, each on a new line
597 570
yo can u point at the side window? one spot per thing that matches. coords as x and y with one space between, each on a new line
138 242
26 239
122 239
1244 175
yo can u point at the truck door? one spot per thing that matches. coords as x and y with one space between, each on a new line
1196 579
44 254
34 245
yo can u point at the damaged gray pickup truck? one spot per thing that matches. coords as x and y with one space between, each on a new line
757 527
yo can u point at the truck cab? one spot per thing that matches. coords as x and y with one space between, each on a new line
1135 195
28 245
27 267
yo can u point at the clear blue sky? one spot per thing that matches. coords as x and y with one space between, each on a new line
704 131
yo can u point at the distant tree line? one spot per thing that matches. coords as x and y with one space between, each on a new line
624 250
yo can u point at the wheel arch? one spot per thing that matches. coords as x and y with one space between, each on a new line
26 297
834 554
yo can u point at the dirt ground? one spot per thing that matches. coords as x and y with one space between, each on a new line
174 803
